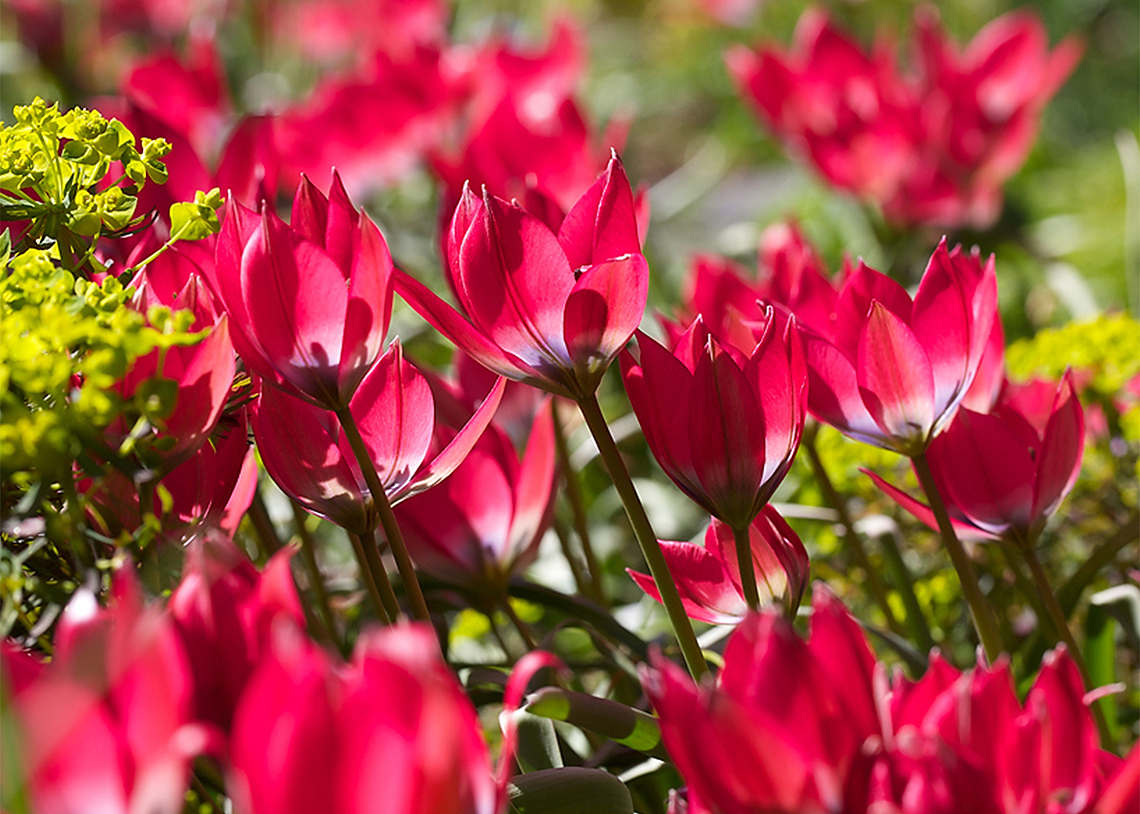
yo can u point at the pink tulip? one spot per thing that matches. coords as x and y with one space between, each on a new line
106 726
932 145
310 301
708 577
892 371
308 456
222 609
819 726
550 310
485 523
723 424
1000 475
391 731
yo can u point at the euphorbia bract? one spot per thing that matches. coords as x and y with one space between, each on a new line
723 424
310 301
999 474
819 726
708 577
892 371
309 457
550 310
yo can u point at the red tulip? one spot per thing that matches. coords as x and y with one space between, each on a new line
106 725
392 730
222 609
1000 475
310 301
930 146
723 424
309 457
818 726
708 578
485 523
551 310
893 372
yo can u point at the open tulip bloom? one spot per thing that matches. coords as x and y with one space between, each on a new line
999 475
893 371
548 309
309 456
708 577
309 301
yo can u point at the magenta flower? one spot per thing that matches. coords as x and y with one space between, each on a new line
892 372
708 577
999 475
550 310
308 456
310 301
723 424
485 523
794 726
393 726
107 724
932 145
222 609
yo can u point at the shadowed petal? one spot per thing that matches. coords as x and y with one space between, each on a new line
1061 450
895 378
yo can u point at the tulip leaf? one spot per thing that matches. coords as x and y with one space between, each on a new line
569 790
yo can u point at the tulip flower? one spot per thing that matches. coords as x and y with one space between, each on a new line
724 425
106 726
550 310
309 456
223 609
393 730
310 301
794 726
930 146
999 475
892 371
486 521
708 578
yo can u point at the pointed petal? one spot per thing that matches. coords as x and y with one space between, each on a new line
833 392
602 224
707 591
534 484
369 306
465 211
1061 450
310 213
840 648
924 513
863 287
895 378
453 454
942 324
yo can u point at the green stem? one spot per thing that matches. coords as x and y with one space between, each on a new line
387 519
915 617
520 625
380 573
579 608
1105 553
581 581
646 537
359 548
983 614
1061 625
578 510
852 541
747 568
316 580
266 534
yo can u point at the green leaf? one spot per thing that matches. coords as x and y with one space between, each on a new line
570 790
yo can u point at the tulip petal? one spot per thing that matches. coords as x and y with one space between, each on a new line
604 310
602 224
847 663
369 306
1061 450
706 588
453 454
895 378
864 287
942 324
833 392
534 483
923 512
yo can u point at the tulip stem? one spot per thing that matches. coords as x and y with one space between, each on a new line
520 625
578 511
852 541
985 622
267 538
743 542
1061 624
316 580
646 537
387 518
359 547
383 583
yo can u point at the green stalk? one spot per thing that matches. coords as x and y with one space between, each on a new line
316 581
747 567
578 510
983 614
387 519
359 547
646 537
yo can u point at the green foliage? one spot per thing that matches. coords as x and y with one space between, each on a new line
1107 347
